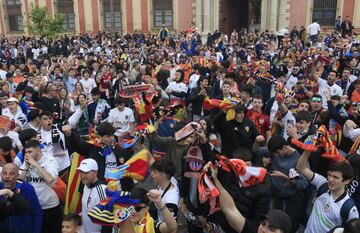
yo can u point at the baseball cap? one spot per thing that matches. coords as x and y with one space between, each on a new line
12 99
278 219
88 165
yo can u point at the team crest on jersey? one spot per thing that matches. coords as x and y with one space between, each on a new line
247 128
171 125
261 121
126 117
326 206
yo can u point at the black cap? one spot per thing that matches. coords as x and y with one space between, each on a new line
278 219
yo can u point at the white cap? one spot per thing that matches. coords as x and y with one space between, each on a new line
12 99
88 165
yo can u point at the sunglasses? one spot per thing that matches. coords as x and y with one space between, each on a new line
316 100
139 208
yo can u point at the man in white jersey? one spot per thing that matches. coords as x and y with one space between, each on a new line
54 140
41 171
328 87
121 117
333 206
94 192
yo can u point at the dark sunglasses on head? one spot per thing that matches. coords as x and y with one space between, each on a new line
139 208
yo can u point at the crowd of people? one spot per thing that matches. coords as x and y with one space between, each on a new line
244 132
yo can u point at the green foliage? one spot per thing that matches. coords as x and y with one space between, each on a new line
44 25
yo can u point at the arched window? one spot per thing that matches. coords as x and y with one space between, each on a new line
66 8
325 12
112 14
14 15
163 13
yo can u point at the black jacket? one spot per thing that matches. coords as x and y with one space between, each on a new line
235 134
91 151
198 100
252 202
51 105
14 205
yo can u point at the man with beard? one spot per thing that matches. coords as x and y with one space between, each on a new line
50 101
177 89
27 214
328 87
292 80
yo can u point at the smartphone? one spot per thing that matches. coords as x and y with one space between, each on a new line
290 122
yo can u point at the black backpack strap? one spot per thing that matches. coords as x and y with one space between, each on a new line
322 189
345 210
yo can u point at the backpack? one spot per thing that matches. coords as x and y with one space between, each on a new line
346 206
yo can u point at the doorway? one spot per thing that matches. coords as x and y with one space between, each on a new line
237 14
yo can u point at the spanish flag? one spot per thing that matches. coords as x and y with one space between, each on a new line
226 105
136 168
73 196
138 165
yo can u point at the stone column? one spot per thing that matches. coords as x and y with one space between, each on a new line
356 17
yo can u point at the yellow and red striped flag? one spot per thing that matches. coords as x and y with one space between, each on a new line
73 196
138 165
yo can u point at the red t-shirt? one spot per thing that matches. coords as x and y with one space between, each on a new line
261 121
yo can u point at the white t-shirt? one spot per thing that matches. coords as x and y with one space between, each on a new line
121 119
172 197
88 85
61 156
326 211
177 87
292 80
313 29
3 75
193 81
19 117
14 138
110 162
90 198
47 197
36 53
324 89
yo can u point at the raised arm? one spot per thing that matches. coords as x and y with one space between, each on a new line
227 205
302 165
169 225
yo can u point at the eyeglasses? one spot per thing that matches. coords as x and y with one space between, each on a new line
139 208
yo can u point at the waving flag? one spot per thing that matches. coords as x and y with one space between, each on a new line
247 176
321 138
73 197
331 152
137 167
226 105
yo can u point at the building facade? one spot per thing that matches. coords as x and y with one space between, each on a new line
91 16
